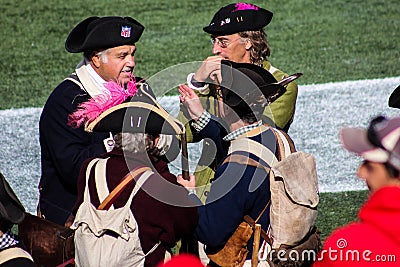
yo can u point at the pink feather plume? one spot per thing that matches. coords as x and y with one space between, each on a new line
245 6
90 110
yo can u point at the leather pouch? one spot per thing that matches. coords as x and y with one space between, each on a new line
235 251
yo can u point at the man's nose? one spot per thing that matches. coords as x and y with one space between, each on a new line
216 48
130 60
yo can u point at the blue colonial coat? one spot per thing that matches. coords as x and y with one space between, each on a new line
236 190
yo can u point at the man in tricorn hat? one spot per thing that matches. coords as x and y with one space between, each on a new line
237 34
239 187
12 251
108 45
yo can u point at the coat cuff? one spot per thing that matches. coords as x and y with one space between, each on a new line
201 87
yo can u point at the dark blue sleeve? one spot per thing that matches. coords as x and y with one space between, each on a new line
62 146
215 131
238 190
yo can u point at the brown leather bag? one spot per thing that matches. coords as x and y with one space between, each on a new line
235 251
50 244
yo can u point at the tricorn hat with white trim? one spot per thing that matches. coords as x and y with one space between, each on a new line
136 117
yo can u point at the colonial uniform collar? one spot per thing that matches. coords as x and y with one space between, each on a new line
91 81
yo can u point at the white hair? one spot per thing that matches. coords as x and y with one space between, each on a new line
103 55
133 142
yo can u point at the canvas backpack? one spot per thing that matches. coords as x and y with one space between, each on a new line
294 194
107 237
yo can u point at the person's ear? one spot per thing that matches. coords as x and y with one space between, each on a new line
96 60
248 44
156 140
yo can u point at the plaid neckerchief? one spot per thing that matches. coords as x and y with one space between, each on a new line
8 239
233 135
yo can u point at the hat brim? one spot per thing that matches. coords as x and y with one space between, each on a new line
355 140
394 99
98 33
245 82
11 209
136 117
77 36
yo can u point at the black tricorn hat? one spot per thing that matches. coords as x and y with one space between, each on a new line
11 209
96 33
238 17
394 99
136 117
246 87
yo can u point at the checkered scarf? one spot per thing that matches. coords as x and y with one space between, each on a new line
205 118
8 239
233 135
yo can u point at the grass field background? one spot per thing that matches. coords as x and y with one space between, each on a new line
329 41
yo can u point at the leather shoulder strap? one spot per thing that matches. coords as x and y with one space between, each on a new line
242 159
285 144
253 147
289 140
121 186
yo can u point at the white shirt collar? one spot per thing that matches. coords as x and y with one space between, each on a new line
98 81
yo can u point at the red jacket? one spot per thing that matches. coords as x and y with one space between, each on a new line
373 241
161 207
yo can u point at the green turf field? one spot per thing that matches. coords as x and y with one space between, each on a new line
328 41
